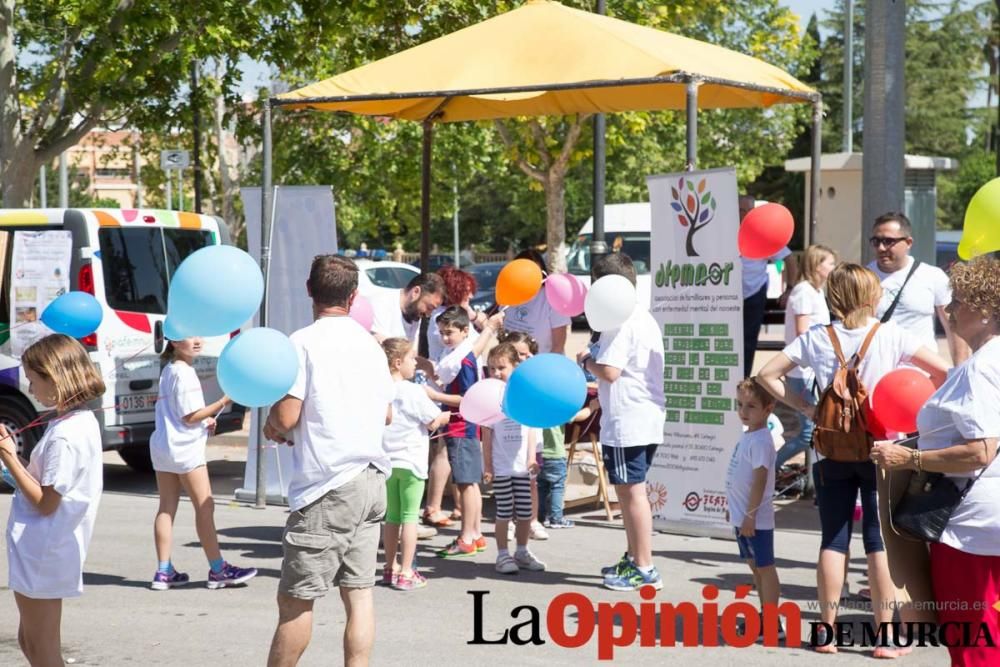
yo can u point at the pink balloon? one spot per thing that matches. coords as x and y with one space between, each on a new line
566 293
483 402
362 313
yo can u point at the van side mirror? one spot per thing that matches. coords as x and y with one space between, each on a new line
158 336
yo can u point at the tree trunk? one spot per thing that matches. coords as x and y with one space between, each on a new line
555 220
225 176
18 169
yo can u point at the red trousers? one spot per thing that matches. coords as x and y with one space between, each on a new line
966 587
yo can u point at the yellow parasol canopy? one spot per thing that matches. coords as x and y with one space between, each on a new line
546 59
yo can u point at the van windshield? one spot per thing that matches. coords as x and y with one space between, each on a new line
633 244
139 262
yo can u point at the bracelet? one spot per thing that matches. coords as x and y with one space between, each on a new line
915 459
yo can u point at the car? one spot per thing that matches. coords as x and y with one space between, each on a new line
374 276
439 261
486 284
945 254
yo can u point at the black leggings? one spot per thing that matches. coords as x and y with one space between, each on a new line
837 486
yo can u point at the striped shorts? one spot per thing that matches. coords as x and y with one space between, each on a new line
513 497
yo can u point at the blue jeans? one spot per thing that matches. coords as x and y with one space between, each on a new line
804 438
551 490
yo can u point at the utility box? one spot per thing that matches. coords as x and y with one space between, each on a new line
839 223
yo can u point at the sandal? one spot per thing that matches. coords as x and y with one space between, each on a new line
455 516
429 520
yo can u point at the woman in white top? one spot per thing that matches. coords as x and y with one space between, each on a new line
959 427
806 307
853 293
54 508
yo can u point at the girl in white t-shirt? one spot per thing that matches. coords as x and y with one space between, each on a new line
177 449
55 505
406 442
805 308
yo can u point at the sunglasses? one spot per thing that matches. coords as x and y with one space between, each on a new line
885 241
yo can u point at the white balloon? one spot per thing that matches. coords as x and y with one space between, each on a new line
609 302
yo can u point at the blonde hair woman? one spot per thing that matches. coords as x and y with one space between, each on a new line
806 308
853 293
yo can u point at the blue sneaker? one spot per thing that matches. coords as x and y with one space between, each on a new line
623 562
631 579
230 575
163 581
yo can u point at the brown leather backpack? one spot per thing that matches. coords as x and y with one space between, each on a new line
841 432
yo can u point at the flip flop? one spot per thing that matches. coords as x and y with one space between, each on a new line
455 516
436 523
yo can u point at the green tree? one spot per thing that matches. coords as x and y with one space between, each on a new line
69 67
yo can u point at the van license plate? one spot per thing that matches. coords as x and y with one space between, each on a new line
135 403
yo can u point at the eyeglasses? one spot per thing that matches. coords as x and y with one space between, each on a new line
887 241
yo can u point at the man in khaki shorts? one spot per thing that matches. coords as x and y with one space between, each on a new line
333 417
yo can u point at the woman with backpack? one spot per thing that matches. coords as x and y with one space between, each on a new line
849 357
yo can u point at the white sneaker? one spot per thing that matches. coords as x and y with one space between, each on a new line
506 565
425 532
527 560
538 531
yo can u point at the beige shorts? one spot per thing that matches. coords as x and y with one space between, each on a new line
334 540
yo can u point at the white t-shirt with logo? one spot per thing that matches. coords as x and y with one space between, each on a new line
510 448
537 319
754 450
632 410
388 318
804 299
175 446
46 553
755 272
915 312
406 438
966 407
346 389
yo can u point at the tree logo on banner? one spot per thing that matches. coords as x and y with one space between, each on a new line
695 208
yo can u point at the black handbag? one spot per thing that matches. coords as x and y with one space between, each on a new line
930 500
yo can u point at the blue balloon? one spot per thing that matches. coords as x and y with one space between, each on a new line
215 291
544 391
75 314
171 332
258 367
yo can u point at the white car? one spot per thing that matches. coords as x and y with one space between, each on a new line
375 276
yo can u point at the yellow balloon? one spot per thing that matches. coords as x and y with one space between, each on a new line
981 230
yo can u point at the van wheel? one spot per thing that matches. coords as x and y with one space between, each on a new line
136 457
15 415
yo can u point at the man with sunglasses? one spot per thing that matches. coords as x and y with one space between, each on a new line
925 289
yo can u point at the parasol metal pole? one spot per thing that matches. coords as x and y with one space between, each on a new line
692 125
267 219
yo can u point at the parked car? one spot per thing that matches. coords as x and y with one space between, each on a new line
374 276
125 259
486 284
436 262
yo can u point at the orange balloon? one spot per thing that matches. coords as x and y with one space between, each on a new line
518 282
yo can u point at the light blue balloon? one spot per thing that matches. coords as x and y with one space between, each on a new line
172 332
75 314
258 367
545 391
215 291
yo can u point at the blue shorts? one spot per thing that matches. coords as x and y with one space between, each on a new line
465 455
759 548
628 465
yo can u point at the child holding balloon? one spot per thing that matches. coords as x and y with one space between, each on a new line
177 449
406 442
509 453
53 511
457 371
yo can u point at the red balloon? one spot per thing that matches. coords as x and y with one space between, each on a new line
764 231
898 397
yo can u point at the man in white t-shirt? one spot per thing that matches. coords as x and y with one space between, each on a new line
755 291
927 292
333 417
398 312
537 318
629 370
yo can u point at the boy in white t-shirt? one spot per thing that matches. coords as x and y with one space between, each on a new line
629 372
750 488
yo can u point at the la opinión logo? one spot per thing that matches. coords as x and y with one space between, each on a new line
739 624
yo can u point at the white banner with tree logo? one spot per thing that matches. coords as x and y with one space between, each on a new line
697 299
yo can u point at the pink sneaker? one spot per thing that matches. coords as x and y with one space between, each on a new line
405 583
388 576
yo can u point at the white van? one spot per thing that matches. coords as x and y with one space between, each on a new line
626 228
125 258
